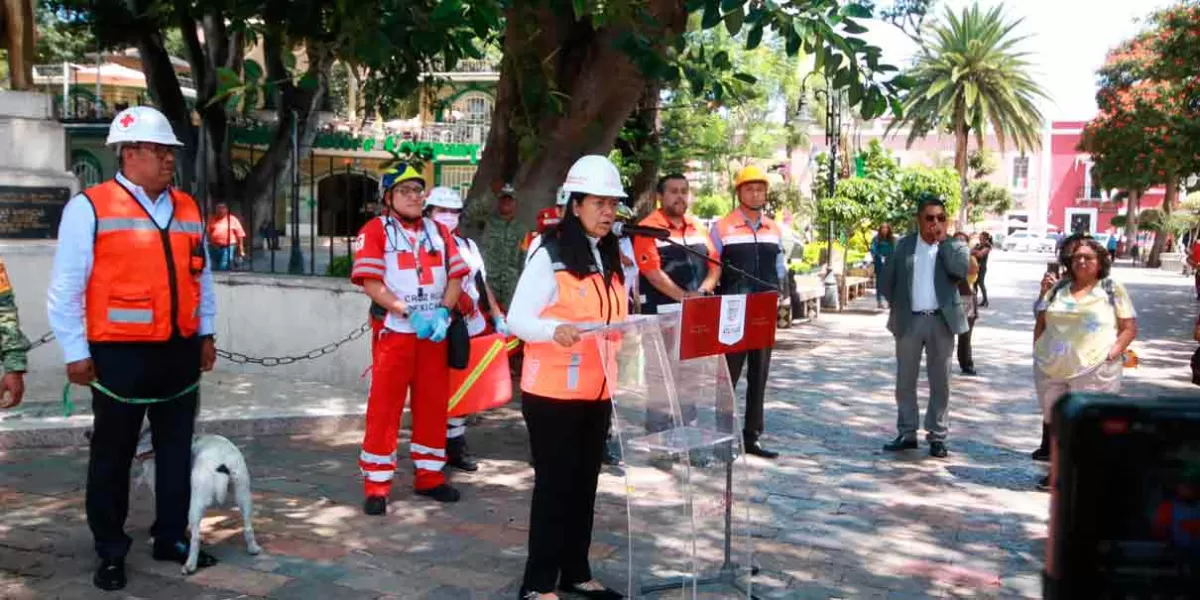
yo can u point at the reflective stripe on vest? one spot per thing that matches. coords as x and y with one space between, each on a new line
145 280
754 251
578 372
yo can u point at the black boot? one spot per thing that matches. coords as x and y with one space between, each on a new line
457 456
1042 454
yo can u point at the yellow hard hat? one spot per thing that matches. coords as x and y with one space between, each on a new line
750 174
397 175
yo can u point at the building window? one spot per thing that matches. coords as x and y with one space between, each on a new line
457 177
86 168
1020 172
1091 190
474 108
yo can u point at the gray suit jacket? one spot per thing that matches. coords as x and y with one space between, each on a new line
953 260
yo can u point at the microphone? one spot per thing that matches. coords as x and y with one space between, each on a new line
620 229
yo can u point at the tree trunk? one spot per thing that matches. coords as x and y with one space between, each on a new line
532 141
1131 217
19 22
1160 240
961 141
645 149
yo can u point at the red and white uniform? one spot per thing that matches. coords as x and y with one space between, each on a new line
468 303
416 265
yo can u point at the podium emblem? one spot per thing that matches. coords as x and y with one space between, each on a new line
733 319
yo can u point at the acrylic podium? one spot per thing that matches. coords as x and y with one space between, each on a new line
677 421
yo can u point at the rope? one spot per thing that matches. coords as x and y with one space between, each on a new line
69 406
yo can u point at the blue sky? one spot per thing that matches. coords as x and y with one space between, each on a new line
1068 40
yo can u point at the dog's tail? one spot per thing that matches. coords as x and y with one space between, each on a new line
221 479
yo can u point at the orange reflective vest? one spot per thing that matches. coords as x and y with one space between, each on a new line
577 372
145 281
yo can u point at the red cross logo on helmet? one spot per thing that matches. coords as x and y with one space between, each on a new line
127 121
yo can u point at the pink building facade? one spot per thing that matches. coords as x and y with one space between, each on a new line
1073 202
1052 187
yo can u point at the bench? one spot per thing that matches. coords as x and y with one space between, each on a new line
804 301
852 289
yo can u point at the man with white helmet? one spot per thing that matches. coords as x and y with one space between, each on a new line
548 217
445 206
131 303
408 266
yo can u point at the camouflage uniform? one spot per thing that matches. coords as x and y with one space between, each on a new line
13 343
501 250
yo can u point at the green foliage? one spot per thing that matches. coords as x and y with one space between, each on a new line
60 38
710 206
941 181
340 267
984 198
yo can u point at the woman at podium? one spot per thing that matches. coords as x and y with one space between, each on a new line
573 277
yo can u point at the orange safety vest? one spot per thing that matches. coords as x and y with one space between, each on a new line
145 281
575 373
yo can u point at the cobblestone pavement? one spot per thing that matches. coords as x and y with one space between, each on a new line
835 516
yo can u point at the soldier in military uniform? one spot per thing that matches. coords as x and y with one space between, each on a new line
501 247
13 346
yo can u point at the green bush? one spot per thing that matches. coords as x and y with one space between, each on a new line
709 206
340 267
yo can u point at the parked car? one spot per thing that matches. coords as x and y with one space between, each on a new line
1024 241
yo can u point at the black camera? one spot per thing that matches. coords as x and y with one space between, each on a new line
1125 499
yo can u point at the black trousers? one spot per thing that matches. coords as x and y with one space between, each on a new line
567 440
965 359
146 370
981 285
756 386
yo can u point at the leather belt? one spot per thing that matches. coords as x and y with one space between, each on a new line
927 313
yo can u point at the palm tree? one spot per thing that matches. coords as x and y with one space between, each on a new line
969 78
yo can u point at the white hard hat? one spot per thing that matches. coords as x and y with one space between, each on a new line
563 197
507 190
141 124
444 197
595 175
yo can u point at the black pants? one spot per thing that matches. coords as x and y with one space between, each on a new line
567 440
756 386
965 359
981 285
151 370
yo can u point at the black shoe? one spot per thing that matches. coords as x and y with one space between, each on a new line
179 553
375 505
969 371
609 457
938 450
1043 484
900 443
755 448
457 456
1042 454
110 575
604 594
441 493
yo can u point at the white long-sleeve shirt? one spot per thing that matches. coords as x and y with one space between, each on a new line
73 267
536 290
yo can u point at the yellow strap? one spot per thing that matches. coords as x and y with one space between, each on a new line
476 373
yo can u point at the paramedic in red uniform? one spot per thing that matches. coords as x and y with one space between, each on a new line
408 265
751 241
573 275
131 303
445 206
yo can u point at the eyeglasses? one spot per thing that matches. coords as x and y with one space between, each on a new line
410 190
939 218
1087 258
159 150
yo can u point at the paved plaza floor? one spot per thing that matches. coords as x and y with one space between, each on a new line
835 517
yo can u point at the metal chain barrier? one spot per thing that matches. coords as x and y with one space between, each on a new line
266 361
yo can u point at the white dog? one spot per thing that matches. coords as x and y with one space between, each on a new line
216 463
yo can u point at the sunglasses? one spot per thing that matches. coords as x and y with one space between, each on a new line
158 150
939 218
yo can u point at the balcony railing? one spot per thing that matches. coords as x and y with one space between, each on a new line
470 65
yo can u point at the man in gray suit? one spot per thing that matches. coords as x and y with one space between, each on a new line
920 284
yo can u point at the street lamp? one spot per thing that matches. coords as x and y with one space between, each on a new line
833 128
